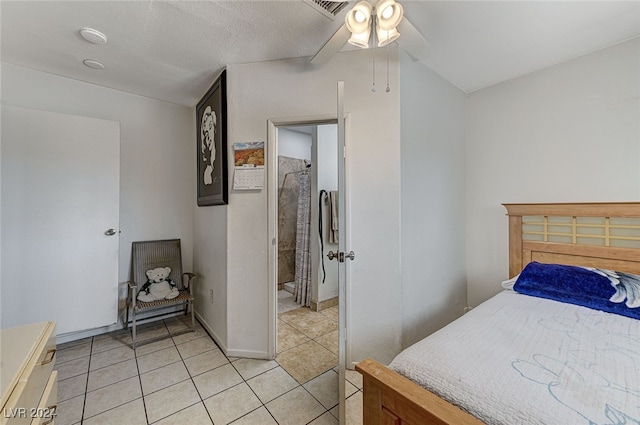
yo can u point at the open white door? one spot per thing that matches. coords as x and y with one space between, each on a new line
342 255
60 214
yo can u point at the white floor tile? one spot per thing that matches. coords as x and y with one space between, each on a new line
118 339
295 407
354 377
111 374
216 380
72 368
151 330
158 359
163 377
354 409
232 404
192 415
272 384
110 357
73 352
154 346
131 413
72 387
69 412
115 395
324 388
195 347
185 337
259 416
170 400
249 368
325 419
205 362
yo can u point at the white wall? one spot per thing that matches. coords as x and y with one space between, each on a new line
294 144
157 151
293 88
568 133
433 120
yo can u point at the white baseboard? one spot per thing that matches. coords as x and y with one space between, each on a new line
210 331
73 336
230 352
76 335
249 354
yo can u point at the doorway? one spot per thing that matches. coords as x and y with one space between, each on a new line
307 217
305 316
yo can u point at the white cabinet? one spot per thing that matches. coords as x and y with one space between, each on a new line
28 381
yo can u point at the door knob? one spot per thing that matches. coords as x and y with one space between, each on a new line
340 256
110 232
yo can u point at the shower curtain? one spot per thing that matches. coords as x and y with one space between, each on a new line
302 292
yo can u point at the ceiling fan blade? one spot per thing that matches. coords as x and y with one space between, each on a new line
412 42
331 47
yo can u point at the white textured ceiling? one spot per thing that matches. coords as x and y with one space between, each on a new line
172 50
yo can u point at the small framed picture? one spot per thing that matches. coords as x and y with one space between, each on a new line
211 131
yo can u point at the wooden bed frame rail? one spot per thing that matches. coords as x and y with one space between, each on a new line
390 398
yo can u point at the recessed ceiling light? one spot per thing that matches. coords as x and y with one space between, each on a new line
93 36
93 64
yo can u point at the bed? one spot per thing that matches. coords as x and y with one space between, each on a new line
528 355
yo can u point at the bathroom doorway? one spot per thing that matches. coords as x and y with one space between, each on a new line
306 308
307 216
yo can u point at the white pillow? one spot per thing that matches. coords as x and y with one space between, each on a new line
508 284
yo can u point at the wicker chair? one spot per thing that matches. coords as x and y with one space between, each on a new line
147 255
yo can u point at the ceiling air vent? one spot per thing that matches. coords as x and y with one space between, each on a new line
330 9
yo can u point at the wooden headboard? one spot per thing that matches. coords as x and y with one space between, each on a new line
604 235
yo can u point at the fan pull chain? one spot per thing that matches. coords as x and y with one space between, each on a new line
387 89
373 86
373 54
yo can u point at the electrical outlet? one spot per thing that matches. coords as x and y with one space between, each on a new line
211 296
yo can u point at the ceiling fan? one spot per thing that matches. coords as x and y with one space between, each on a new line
376 25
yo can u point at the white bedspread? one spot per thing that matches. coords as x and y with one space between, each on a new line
517 359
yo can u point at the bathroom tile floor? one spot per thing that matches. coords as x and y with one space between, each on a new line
186 379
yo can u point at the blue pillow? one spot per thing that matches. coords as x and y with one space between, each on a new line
599 289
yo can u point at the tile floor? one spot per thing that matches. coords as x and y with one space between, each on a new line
186 379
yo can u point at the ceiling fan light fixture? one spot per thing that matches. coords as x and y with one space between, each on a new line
389 14
358 20
384 19
360 39
385 37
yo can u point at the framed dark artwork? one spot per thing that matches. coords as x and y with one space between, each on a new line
211 131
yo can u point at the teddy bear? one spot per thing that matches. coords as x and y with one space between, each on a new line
158 286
